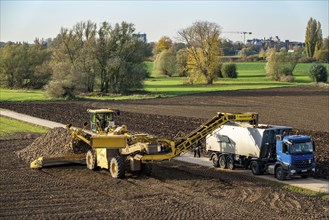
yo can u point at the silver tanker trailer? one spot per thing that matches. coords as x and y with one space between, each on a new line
262 148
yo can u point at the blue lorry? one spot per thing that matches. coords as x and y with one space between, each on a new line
263 149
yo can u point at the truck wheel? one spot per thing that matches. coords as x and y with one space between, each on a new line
279 172
255 169
91 160
304 176
117 167
215 160
222 161
147 169
230 163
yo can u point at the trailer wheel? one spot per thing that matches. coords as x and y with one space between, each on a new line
117 167
215 160
279 173
91 160
255 168
222 161
230 163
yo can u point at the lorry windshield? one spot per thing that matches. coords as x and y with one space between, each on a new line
301 148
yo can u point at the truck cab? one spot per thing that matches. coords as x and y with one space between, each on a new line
295 156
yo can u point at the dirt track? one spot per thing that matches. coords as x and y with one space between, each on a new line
176 190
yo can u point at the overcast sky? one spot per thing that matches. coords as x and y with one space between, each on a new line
26 20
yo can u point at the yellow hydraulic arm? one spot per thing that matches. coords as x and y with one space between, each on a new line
183 144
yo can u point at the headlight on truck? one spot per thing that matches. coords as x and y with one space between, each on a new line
292 171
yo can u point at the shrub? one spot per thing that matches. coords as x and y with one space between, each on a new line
219 71
181 62
281 64
229 70
322 55
318 73
62 83
57 89
287 78
165 63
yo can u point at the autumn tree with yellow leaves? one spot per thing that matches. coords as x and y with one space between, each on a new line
165 43
202 39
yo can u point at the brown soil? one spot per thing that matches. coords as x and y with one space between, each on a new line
176 190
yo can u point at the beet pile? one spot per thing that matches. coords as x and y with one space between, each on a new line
56 142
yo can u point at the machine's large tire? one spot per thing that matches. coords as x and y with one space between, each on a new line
117 167
305 176
255 168
91 160
222 161
279 173
215 160
230 162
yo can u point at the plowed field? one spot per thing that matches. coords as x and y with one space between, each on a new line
175 190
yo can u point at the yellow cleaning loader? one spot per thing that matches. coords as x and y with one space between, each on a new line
112 147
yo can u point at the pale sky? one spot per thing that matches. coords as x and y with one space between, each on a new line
26 20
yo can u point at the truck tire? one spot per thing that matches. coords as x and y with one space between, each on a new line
222 161
91 160
279 173
117 167
255 168
230 162
304 176
215 160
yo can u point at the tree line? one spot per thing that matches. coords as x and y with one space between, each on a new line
199 55
110 58
83 59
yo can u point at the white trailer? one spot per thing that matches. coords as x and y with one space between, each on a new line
237 144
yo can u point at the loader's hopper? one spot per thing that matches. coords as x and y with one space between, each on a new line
109 141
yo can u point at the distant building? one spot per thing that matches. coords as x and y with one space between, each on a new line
141 37
275 42
292 44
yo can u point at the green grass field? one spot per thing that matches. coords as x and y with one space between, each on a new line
23 95
10 126
251 75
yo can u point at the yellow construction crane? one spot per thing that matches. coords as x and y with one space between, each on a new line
239 32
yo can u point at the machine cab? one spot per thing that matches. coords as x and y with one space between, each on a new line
101 120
